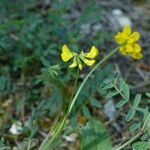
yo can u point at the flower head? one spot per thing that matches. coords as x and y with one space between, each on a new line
131 47
87 58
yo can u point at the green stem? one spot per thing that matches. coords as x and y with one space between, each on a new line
136 136
88 75
29 144
145 123
119 92
75 84
130 141
57 130
47 142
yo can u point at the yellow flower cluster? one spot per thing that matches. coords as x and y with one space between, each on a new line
87 58
131 47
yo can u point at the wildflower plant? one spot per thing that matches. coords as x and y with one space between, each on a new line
87 58
128 45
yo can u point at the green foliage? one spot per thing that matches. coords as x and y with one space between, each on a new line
141 145
95 103
31 38
5 85
87 96
135 126
86 112
95 136
3 145
34 90
118 87
132 111
53 71
148 94
130 115
31 125
32 34
52 105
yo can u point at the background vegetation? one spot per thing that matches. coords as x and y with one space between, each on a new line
34 92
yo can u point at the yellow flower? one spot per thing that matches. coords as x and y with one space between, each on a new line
122 37
88 62
134 37
93 52
87 58
66 53
127 36
130 40
134 50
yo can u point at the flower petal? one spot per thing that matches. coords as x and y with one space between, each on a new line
119 38
127 30
129 48
80 66
122 50
66 54
134 37
74 64
137 55
79 63
93 52
137 48
89 62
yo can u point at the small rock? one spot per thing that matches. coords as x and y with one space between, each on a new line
110 110
70 138
16 128
122 19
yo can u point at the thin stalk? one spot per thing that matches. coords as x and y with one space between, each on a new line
136 136
29 144
87 77
57 130
119 92
145 123
75 84
130 141
51 134
48 142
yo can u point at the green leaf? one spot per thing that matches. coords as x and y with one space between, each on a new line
108 86
123 87
141 145
94 102
2 145
86 112
135 126
87 14
126 91
144 137
121 84
147 94
130 115
102 92
52 104
136 101
121 103
74 120
111 94
95 137
107 81
145 112
53 70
